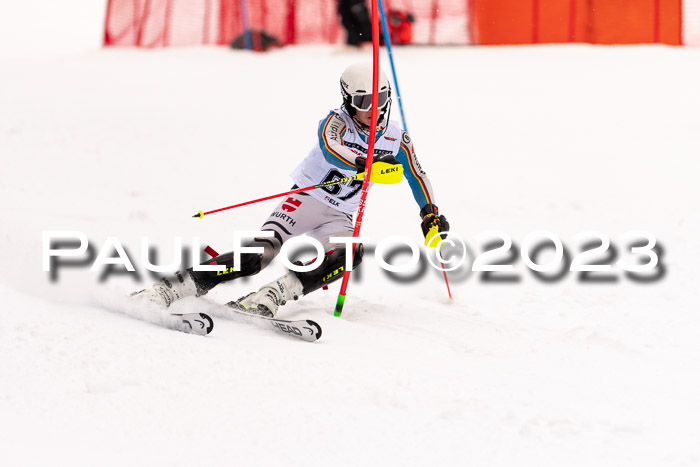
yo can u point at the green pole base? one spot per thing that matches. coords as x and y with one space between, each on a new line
339 305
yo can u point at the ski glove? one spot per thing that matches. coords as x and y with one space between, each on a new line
432 224
385 168
360 162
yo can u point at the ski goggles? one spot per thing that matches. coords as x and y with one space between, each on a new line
363 102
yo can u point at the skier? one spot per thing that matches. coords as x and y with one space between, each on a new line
339 152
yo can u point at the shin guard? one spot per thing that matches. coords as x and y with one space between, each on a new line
330 270
251 263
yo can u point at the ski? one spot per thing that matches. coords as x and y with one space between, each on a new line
304 329
190 323
195 323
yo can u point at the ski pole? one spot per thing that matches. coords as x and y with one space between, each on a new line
387 41
359 176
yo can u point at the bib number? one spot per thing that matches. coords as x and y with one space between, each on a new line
354 185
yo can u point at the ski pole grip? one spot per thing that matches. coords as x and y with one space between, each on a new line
433 236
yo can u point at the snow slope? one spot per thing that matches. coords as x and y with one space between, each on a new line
130 143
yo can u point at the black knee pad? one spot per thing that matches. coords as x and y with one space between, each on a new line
251 263
330 270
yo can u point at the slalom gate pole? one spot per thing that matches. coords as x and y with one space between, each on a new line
201 214
370 153
247 32
387 41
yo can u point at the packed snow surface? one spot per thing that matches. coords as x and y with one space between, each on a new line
130 143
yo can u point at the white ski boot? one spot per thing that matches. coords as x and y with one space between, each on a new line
165 293
270 297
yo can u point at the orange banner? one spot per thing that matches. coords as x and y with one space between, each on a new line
593 21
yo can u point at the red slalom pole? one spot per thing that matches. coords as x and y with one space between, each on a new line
370 152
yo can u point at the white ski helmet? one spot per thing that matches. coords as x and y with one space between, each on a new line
356 88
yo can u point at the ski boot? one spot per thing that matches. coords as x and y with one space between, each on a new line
165 293
270 297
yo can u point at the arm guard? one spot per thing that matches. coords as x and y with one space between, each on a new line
417 179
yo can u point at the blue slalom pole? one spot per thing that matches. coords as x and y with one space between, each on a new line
247 33
387 41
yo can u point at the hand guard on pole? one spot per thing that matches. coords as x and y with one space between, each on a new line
385 169
432 223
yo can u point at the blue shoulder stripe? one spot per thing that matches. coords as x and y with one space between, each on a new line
328 153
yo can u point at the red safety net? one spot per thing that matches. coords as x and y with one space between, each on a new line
162 23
